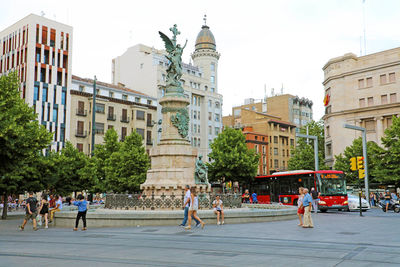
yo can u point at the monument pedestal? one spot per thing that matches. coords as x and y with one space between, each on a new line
173 160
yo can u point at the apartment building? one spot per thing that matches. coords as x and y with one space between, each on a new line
117 107
144 68
362 91
40 51
258 142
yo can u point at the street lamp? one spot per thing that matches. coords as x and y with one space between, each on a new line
315 147
364 144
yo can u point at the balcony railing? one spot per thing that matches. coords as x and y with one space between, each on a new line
81 133
150 123
111 117
124 119
99 131
100 111
81 112
149 142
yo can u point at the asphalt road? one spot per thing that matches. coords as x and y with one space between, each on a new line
338 239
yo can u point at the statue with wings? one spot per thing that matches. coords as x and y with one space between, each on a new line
174 71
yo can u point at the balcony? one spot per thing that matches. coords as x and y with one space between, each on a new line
101 111
81 112
99 131
150 123
149 142
125 119
81 133
111 117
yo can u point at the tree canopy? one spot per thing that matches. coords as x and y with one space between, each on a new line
231 159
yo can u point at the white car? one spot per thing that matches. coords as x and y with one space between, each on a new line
354 203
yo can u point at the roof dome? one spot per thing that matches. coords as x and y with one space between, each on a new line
205 39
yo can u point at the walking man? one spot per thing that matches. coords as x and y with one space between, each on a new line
315 198
31 212
307 200
186 204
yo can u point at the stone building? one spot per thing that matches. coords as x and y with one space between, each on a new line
117 107
143 68
40 50
362 91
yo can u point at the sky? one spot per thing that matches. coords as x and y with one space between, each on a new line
263 43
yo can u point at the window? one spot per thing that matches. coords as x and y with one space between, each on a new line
329 150
195 115
195 128
124 117
217 105
388 122
291 142
276 163
110 94
212 67
361 83
212 79
370 101
209 103
37 54
36 93
384 99
80 127
137 99
206 88
383 79
328 131
123 133
209 116
361 102
212 89
149 102
275 139
44 95
149 120
275 151
217 119
110 127
99 128
195 141
263 151
392 77
140 115
370 125
198 142
209 130
148 138
369 82
55 115
393 98
81 88
216 130
100 108
79 147
124 97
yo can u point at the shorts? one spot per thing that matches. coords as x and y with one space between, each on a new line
300 210
217 210
387 202
30 216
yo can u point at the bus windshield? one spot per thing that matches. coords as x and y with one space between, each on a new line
331 184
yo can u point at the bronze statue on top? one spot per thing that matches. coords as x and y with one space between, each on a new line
174 71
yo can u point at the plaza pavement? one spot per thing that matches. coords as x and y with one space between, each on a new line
338 239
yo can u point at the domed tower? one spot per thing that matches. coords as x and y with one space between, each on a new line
206 56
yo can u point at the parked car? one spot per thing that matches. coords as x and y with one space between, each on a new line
354 203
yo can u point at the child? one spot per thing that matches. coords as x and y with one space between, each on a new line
82 209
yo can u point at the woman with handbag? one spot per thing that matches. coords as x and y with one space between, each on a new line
44 211
300 208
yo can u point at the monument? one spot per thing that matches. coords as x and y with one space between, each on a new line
173 160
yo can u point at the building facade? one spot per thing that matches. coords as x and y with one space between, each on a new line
117 107
144 68
362 91
281 134
258 142
40 51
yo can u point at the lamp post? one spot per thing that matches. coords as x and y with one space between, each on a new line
315 147
364 144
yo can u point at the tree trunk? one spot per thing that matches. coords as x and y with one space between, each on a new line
5 207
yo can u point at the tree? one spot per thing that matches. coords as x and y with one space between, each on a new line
231 159
126 169
303 154
388 163
342 161
21 136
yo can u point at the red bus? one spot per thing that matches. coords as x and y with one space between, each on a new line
283 187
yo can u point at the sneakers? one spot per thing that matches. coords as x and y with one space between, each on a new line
223 222
181 225
46 227
21 228
188 228
84 229
75 229
35 228
202 225
198 225
218 223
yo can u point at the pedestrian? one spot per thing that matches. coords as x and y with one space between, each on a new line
44 211
194 206
388 197
254 198
300 208
307 200
82 210
246 196
186 205
31 212
315 199
58 207
371 199
218 209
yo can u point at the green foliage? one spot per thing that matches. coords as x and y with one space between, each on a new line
388 169
342 161
126 169
231 159
21 137
303 154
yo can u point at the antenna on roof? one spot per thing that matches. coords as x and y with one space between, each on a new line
205 20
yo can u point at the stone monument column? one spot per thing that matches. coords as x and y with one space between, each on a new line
173 160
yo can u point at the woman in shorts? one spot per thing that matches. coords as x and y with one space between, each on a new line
218 209
44 211
300 208
194 206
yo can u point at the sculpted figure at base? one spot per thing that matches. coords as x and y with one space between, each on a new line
200 174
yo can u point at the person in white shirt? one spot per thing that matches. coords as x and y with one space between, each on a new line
186 205
218 209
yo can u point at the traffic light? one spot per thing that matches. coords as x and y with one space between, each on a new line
360 163
361 173
353 164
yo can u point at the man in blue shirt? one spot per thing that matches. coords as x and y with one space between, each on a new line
308 223
82 210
